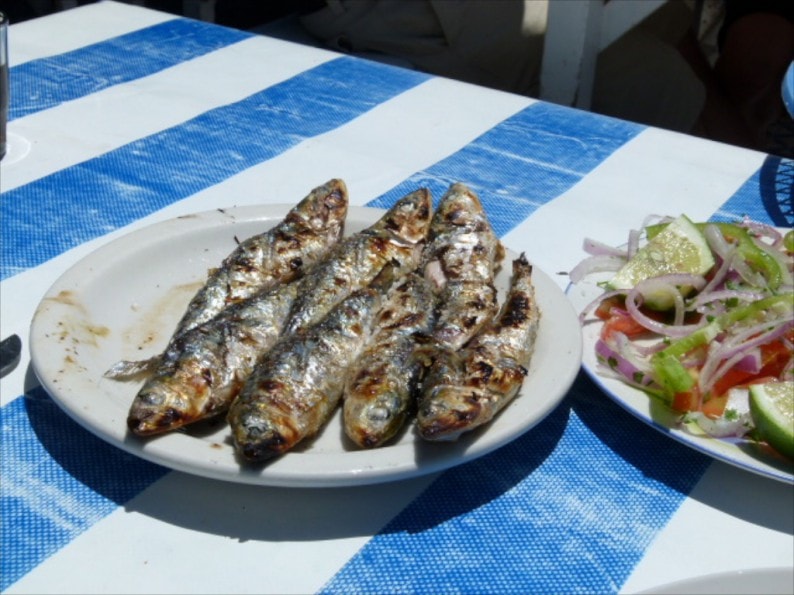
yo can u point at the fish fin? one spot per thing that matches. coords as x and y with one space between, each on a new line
132 369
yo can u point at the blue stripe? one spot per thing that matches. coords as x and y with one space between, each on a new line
524 162
93 198
767 196
541 480
581 496
57 481
45 83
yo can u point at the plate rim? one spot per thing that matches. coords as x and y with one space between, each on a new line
765 577
633 400
279 472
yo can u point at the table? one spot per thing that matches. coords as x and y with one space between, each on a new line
123 116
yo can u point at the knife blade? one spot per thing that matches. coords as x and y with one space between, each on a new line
10 350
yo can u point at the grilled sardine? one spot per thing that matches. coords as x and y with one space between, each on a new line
297 385
461 258
203 369
466 389
382 383
397 236
278 255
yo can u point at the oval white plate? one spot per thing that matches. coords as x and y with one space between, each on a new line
123 301
741 453
767 581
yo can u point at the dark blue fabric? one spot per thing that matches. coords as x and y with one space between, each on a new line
47 82
580 496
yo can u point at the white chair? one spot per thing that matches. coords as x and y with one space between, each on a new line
576 31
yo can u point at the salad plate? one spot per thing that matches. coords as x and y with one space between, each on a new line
740 452
123 301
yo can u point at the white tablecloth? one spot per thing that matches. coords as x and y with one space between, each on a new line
122 117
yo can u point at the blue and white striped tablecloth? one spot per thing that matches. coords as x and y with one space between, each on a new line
122 116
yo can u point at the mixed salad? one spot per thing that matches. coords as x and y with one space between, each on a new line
698 332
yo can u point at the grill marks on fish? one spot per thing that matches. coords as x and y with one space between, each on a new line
465 389
298 384
278 255
398 237
461 258
203 369
382 383
400 320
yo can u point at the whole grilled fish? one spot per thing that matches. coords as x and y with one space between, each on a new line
461 258
382 383
397 236
278 255
203 369
296 386
466 389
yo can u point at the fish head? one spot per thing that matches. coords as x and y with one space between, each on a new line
158 408
459 207
452 411
377 420
258 436
409 219
324 209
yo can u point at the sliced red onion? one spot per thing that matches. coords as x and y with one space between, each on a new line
596 264
722 427
762 229
751 362
597 248
736 419
625 369
720 275
705 297
729 253
724 356
594 304
733 279
717 241
668 284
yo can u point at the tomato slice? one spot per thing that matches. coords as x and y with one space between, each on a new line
605 307
774 357
686 401
621 321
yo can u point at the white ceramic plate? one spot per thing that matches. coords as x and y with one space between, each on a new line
742 453
766 581
123 301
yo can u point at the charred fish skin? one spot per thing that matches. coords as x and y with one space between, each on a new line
466 389
398 235
296 386
383 382
203 369
278 255
461 258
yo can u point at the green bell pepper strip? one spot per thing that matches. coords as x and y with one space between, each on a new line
668 370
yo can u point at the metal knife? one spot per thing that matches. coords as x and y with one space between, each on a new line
10 350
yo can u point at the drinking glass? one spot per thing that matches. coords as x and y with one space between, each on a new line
3 81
